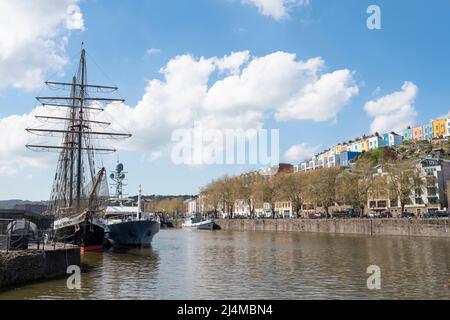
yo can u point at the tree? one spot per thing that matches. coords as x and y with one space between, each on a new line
293 187
246 187
404 179
353 186
212 197
322 187
267 192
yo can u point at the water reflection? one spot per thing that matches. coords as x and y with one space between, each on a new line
257 265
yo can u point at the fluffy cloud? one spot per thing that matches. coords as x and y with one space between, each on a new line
394 111
236 91
33 35
301 152
233 92
277 9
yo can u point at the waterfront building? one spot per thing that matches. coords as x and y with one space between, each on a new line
191 206
432 196
284 209
392 139
439 127
428 131
408 134
418 133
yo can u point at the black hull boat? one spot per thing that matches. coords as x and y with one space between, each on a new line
80 189
87 235
137 234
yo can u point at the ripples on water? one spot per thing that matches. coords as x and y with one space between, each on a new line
260 265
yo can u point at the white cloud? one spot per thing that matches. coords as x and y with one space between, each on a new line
276 9
247 90
153 51
236 91
301 152
394 111
32 39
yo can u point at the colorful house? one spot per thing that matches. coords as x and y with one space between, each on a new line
355 146
408 134
392 139
439 127
418 133
375 142
428 131
447 128
364 144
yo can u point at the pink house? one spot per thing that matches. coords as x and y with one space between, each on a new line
418 133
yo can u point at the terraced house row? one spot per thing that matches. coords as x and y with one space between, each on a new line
342 153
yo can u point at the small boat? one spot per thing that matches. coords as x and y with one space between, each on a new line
196 221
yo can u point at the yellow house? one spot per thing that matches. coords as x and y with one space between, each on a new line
364 145
439 128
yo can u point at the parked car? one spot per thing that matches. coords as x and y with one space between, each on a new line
386 214
355 214
408 215
374 215
437 214
340 214
316 215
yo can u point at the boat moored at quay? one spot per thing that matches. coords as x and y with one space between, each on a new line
80 190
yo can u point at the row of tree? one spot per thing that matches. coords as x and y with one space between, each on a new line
321 188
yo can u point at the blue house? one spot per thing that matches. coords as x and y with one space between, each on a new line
408 134
344 158
428 131
392 139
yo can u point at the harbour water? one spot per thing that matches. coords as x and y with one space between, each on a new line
186 264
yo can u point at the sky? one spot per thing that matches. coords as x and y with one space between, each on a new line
311 69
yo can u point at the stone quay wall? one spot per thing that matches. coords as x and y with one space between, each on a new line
22 267
371 227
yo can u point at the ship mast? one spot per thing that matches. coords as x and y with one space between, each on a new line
76 164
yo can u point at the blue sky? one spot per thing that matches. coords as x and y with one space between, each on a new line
412 46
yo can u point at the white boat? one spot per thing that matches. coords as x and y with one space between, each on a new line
198 222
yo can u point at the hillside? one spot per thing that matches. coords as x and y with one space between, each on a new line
409 150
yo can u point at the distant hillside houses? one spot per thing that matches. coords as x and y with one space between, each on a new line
344 152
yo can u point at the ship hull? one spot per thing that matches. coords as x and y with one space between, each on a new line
132 233
87 235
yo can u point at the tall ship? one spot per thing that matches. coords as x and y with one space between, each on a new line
80 192
127 225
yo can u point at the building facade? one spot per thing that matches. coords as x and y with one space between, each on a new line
408 134
392 139
418 133
432 196
428 131
439 128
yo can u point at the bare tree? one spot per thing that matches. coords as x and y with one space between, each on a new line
404 179
322 187
353 185
293 187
